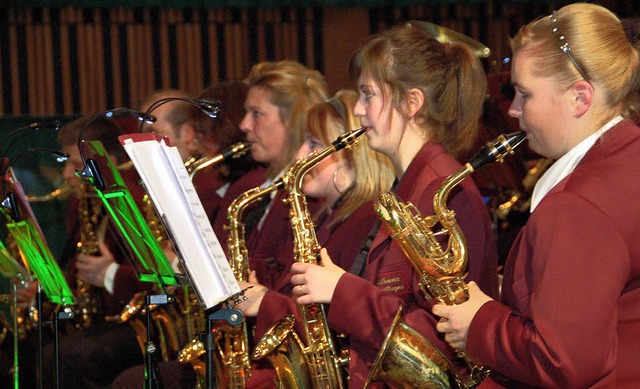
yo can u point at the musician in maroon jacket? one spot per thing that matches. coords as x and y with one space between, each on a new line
420 101
279 94
570 311
347 181
83 362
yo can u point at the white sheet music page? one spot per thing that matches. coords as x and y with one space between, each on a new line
175 198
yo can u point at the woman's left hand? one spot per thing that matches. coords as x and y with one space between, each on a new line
456 319
254 296
313 283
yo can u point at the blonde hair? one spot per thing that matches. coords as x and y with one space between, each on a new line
292 88
449 75
601 49
373 171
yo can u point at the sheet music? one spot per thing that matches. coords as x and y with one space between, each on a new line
176 200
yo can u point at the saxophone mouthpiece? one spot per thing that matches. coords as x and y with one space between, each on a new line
497 149
348 139
236 150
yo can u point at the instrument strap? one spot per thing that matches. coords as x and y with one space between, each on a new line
360 262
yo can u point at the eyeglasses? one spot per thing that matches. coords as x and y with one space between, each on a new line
564 46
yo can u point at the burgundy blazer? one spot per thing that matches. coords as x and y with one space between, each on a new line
343 241
271 246
364 308
570 316
250 180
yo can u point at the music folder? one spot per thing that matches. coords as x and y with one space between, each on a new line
34 251
168 184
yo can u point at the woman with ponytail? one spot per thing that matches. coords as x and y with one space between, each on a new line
420 101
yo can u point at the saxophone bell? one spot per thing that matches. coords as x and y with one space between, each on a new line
442 272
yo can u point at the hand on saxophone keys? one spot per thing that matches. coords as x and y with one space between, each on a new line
456 319
315 284
92 269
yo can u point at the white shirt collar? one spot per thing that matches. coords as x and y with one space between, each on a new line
566 164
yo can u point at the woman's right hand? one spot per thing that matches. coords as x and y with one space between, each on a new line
254 295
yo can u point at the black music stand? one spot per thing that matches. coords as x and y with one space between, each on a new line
205 263
145 253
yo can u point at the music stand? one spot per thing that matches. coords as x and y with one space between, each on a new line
169 186
34 251
145 253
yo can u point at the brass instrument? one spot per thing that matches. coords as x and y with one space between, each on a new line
232 363
318 365
92 228
236 150
173 328
60 193
442 272
445 35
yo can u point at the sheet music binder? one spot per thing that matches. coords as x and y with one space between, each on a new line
146 255
175 198
33 247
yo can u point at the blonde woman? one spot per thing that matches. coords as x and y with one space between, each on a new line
570 310
346 182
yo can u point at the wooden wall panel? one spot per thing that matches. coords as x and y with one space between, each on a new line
112 58
70 61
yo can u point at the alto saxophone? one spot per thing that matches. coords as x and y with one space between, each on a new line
233 365
92 228
442 272
318 365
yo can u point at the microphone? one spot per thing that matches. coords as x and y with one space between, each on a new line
90 173
210 107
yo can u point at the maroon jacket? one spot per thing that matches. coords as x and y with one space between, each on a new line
570 316
271 246
364 308
250 180
343 241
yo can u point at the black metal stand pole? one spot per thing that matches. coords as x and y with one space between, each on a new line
152 378
62 315
40 354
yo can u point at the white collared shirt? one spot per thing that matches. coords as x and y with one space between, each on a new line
566 164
